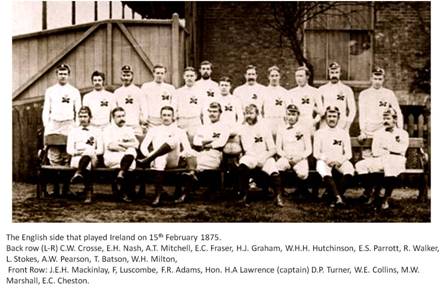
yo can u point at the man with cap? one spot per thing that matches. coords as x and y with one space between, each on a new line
100 101
84 144
120 148
167 141
209 141
274 102
132 100
251 92
158 94
332 150
189 104
307 99
389 147
61 104
335 93
259 150
207 88
294 146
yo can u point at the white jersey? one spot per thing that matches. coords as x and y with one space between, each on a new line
113 133
101 103
308 100
189 102
133 101
293 140
158 95
372 103
83 140
232 113
332 144
256 139
62 103
275 101
170 134
341 96
217 133
250 94
394 142
208 90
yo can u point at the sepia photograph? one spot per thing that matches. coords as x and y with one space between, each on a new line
221 112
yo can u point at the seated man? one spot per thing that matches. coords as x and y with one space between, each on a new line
167 140
209 141
332 150
294 146
84 143
389 147
259 149
120 148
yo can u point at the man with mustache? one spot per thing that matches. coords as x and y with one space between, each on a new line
307 99
259 149
207 88
100 101
167 141
251 92
332 150
120 149
84 144
132 100
389 147
373 102
337 94
158 94
274 102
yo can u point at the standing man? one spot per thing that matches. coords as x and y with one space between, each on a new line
337 94
120 148
207 88
61 104
84 144
274 102
232 113
388 148
294 146
259 149
158 94
189 104
167 141
100 101
251 92
332 150
132 100
307 99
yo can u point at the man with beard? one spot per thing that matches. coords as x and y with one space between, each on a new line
132 100
332 150
84 144
307 99
259 149
189 104
158 94
167 140
207 88
337 94
389 147
294 146
120 146
251 92
100 101
274 102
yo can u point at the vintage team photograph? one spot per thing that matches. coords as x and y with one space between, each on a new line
138 111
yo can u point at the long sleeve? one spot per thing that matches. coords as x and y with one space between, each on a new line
239 111
279 143
308 145
401 145
362 112
377 144
185 143
99 143
221 140
71 143
317 146
395 105
347 147
46 108
199 137
77 104
146 142
351 105
143 107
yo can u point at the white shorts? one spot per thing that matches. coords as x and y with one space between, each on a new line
325 170
209 160
59 127
301 168
273 124
391 165
251 162
74 162
113 159
190 125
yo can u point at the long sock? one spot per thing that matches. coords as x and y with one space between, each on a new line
366 183
126 162
389 185
345 182
163 149
331 186
243 179
83 163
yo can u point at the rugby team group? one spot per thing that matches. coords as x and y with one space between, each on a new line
267 129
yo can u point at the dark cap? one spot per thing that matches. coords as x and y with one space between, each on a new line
334 65
126 68
63 66
378 71
292 108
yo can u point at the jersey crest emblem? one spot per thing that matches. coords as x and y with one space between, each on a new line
104 103
305 100
383 103
210 93
216 135
340 96
397 138
128 100
65 99
258 139
90 141
337 142
278 102
165 96
228 108
193 100
254 96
